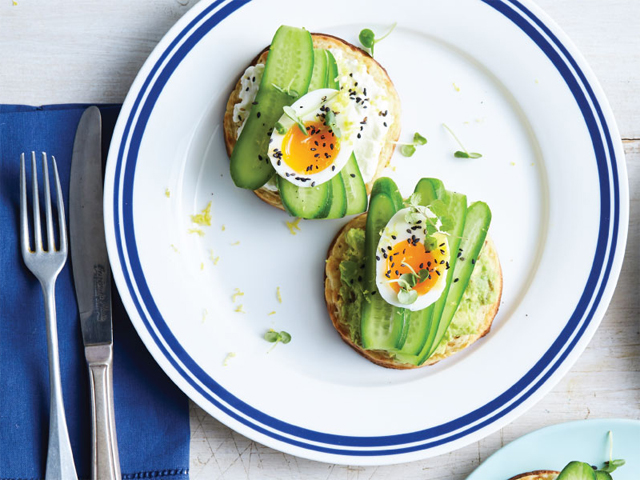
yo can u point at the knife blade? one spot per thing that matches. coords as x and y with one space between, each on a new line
92 279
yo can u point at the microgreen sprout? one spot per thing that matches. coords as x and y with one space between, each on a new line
330 121
429 216
280 128
293 115
461 153
611 465
274 337
368 38
287 91
408 149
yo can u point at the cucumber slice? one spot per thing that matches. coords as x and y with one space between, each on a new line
387 186
338 206
289 65
355 189
381 324
476 225
319 75
325 70
305 202
577 471
332 71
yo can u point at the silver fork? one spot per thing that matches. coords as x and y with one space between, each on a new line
46 265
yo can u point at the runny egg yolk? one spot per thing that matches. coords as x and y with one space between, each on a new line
419 259
310 153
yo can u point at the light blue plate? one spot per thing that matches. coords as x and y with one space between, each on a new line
551 448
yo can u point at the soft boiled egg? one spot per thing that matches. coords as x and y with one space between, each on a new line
318 154
402 250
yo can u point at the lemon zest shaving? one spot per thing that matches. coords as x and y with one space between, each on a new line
513 164
456 87
272 313
201 265
175 249
205 312
229 356
293 226
239 309
216 260
223 228
204 217
235 243
167 193
237 294
15 4
278 295
196 230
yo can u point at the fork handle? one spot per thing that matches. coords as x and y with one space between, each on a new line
105 463
60 465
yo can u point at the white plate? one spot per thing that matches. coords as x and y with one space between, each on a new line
510 84
552 448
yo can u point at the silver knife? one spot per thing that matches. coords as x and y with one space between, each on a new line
92 278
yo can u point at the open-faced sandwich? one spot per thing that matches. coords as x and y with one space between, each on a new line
310 125
412 282
574 471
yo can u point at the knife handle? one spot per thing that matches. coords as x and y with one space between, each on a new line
105 463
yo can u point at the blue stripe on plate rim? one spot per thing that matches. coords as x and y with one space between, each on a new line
297 436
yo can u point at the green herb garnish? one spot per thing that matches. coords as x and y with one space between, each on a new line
611 465
291 113
287 91
280 128
408 149
368 38
330 121
461 153
274 337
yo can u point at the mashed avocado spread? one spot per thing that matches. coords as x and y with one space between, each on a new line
479 292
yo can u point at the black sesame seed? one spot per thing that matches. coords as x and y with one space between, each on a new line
258 114
473 261
455 280
438 272
377 258
353 175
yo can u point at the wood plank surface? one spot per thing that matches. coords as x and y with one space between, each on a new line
61 51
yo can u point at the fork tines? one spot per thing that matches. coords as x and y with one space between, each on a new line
51 243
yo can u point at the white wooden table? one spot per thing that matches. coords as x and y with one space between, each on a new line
62 51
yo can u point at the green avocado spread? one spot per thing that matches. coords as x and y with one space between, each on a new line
479 292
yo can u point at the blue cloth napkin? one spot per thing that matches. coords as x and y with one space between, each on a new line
152 415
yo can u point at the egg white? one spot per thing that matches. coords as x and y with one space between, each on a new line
397 227
308 109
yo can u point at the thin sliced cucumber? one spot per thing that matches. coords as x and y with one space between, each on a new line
381 324
332 71
289 66
457 204
577 471
338 207
305 202
355 188
387 186
319 75
476 225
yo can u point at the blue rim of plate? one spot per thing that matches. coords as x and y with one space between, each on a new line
209 389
